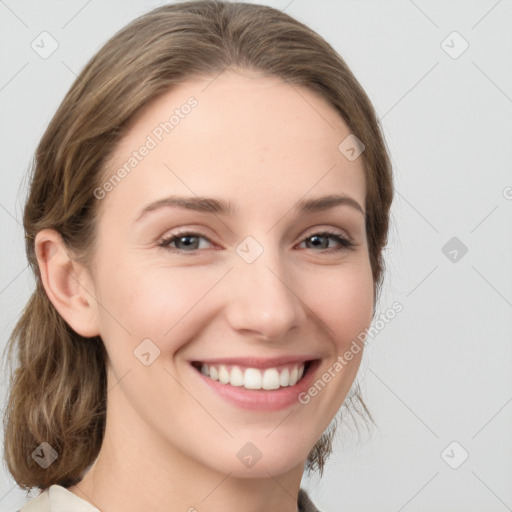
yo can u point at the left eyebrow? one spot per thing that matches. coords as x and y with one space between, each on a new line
219 206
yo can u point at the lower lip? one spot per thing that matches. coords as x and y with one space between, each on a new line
261 399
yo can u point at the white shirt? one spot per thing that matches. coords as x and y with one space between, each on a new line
58 499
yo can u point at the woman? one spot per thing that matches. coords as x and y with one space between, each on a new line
206 219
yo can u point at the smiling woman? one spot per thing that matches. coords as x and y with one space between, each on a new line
181 315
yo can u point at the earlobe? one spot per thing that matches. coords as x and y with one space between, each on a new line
66 283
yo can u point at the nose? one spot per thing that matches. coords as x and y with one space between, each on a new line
261 300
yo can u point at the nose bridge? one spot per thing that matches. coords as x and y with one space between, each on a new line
262 298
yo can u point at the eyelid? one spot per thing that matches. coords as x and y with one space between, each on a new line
329 229
344 239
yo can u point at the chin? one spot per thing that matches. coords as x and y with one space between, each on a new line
262 459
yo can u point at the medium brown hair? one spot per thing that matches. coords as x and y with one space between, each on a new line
58 389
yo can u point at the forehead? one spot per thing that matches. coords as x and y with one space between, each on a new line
239 135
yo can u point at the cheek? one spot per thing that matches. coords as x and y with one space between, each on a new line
153 302
170 304
343 300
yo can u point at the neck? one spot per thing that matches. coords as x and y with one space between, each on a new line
138 470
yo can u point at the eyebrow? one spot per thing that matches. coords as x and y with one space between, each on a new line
220 206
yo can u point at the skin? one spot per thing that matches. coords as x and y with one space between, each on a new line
170 442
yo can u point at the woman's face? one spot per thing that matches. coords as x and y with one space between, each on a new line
239 299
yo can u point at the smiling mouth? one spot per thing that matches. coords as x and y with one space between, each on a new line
268 379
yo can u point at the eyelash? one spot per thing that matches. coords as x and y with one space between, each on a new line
346 243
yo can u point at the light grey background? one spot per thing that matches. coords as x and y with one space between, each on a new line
441 370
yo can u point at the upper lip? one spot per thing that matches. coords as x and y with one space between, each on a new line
257 362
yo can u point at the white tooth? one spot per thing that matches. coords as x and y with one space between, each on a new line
213 373
270 379
223 374
284 378
237 377
252 378
293 376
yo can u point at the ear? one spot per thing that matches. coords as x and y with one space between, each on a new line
68 284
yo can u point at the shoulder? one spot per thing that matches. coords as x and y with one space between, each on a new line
57 499
305 503
39 504
42 502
